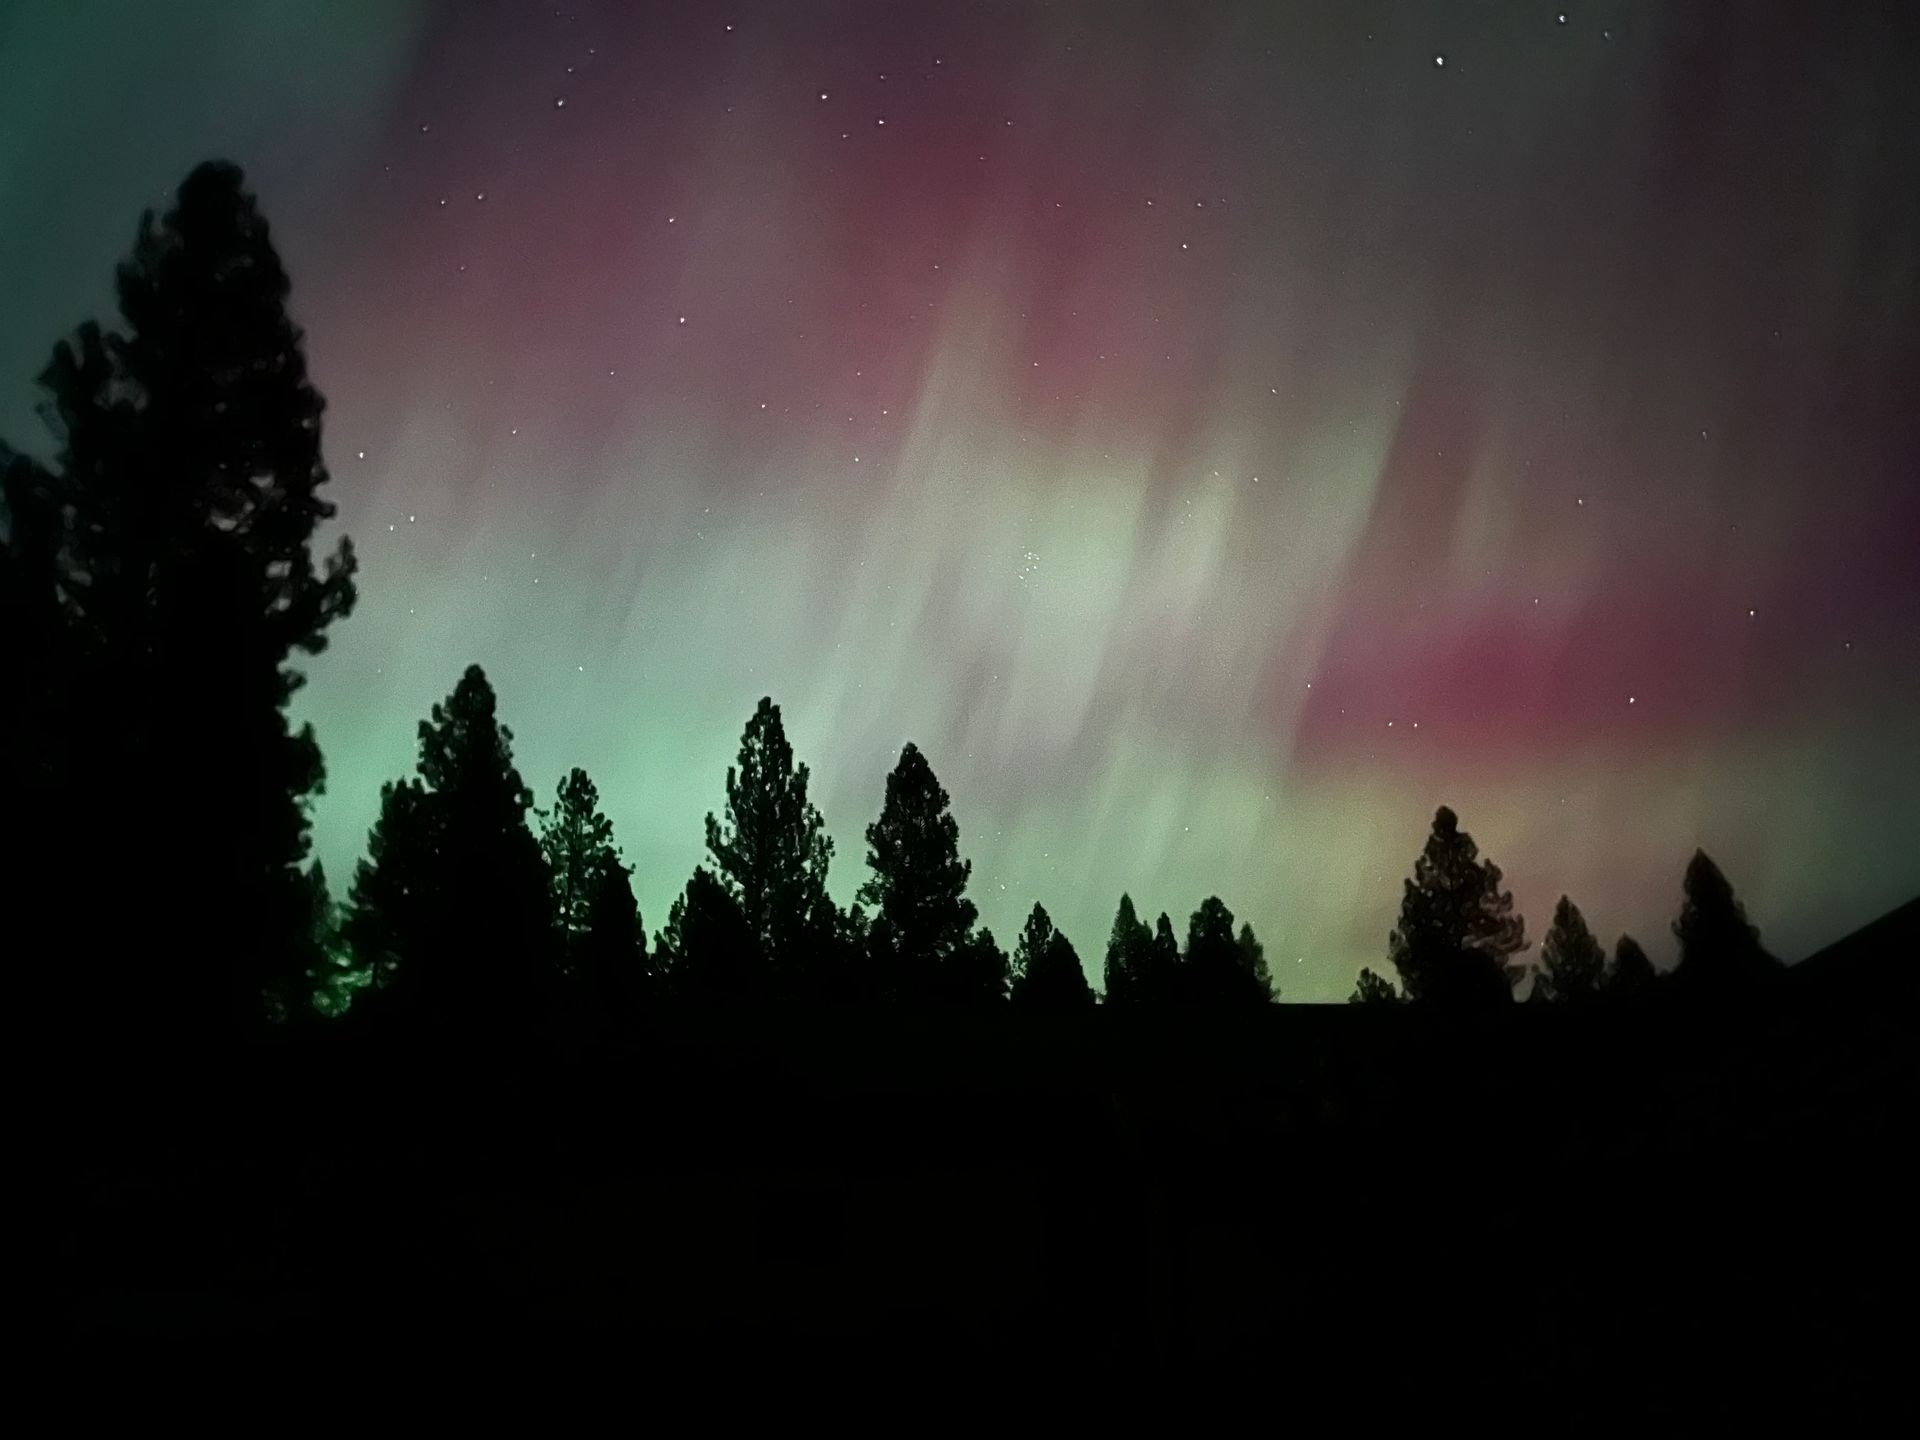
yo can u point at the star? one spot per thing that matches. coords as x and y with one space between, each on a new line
1440 60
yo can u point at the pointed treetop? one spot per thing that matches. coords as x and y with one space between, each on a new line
1457 925
919 880
1129 958
1572 962
1718 944
771 849
464 749
1046 970
1630 971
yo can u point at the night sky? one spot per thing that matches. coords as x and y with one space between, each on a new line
1216 434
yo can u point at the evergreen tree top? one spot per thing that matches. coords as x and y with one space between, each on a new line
1572 962
1457 924
771 850
466 752
1718 943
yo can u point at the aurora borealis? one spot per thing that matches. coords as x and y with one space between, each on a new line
1217 435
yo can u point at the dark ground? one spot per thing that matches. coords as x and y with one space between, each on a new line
1673 1216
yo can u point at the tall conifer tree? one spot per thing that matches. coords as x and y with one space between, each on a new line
1630 972
1720 950
771 851
1457 927
918 882
451 907
191 475
1572 963
1129 944
1047 974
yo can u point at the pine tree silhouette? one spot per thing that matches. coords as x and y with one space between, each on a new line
772 851
708 951
1631 972
1159 983
600 944
924 920
1373 989
1220 969
576 841
391 909
1457 927
977 974
1253 963
1129 947
1720 952
612 959
451 907
190 475
1573 964
338 976
1046 970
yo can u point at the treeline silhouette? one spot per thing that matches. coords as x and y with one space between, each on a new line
159 582
556 919
475 1101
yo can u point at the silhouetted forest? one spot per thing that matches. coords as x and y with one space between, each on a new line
473 1098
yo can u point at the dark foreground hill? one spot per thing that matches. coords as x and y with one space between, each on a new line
1365 1206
